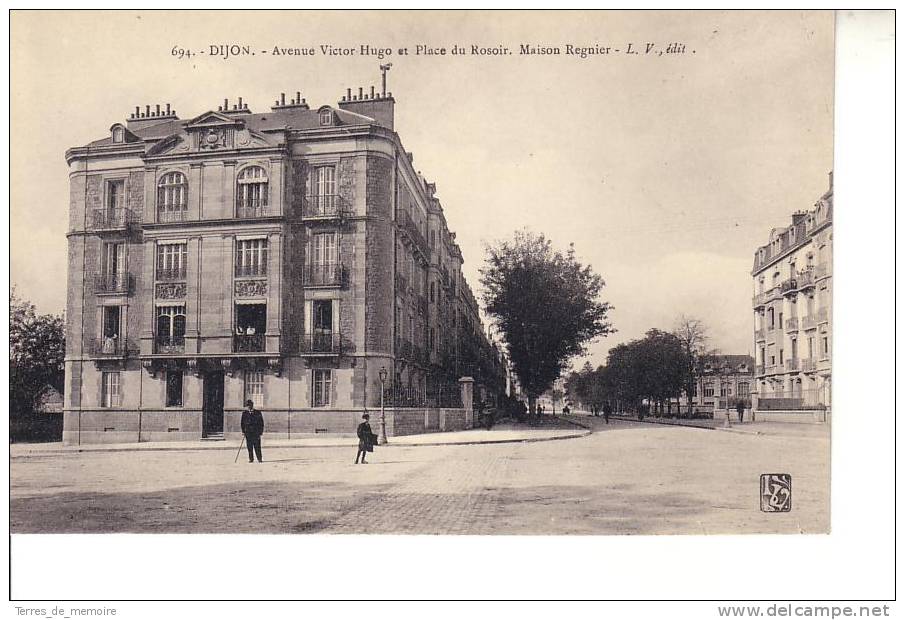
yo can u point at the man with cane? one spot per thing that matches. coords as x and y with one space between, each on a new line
252 429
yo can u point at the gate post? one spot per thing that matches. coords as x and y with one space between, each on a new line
466 384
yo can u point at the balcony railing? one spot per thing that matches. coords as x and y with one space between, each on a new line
789 286
113 283
169 346
327 343
808 322
760 370
259 269
248 343
808 364
112 219
822 315
325 207
174 213
792 364
170 275
759 335
112 347
792 324
805 279
324 275
408 225
252 208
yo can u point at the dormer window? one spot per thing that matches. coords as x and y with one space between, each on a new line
326 117
119 134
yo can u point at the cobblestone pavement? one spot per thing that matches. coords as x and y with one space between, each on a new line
626 478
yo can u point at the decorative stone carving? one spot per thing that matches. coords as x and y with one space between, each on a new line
276 365
226 363
243 137
251 288
213 138
192 366
170 290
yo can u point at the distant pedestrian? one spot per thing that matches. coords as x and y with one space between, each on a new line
489 418
252 428
740 408
607 410
366 439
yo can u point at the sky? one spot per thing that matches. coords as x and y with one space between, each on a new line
665 171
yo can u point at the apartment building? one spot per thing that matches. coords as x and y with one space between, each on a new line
287 257
793 312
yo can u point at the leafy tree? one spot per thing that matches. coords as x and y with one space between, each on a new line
546 306
37 347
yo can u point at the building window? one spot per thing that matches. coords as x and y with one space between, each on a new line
171 261
251 192
251 325
323 381
326 117
254 386
743 388
119 135
780 356
174 388
725 390
708 389
771 324
170 335
116 195
251 257
111 395
811 347
826 346
172 195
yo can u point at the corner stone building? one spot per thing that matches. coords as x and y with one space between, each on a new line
793 316
284 257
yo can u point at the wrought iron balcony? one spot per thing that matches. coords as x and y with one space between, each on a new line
259 269
760 370
792 324
251 207
410 228
792 364
169 346
115 219
172 213
111 347
808 364
808 322
789 286
324 275
326 207
174 274
822 315
805 279
248 343
327 343
759 335
821 271
113 284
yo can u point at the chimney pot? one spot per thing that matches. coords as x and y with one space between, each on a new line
298 96
349 94
360 91
168 109
147 110
225 105
240 103
372 92
137 110
157 111
282 98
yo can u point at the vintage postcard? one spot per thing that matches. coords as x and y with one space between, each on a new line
457 273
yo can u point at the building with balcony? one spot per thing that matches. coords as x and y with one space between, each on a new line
792 303
285 257
721 381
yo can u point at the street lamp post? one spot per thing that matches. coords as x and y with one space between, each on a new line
382 439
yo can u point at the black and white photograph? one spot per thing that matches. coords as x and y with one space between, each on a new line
312 275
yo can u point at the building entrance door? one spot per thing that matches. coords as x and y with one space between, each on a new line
212 405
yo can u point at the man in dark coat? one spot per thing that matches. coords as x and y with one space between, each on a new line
607 410
740 409
252 428
366 439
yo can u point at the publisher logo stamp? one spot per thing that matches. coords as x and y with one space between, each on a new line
775 492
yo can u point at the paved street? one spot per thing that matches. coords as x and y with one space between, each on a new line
626 478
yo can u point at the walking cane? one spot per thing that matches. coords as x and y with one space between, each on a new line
241 443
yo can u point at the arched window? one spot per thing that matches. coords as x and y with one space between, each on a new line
251 192
170 328
119 134
172 197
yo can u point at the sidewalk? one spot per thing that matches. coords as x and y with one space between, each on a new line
502 433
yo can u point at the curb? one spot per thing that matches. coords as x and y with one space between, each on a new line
649 421
233 447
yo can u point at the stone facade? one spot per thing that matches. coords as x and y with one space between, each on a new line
793 314
280 257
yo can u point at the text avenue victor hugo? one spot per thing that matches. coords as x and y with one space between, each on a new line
226 51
